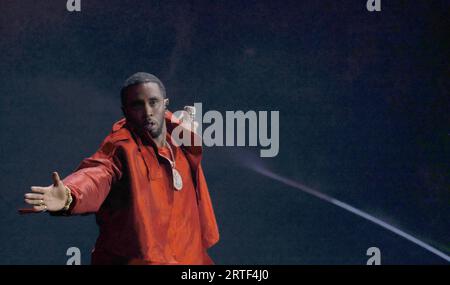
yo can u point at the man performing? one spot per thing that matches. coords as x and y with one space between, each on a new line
149 195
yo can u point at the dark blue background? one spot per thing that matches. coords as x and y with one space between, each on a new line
363 100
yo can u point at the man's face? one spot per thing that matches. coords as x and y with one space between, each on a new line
145 107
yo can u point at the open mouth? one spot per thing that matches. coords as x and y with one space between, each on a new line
150 124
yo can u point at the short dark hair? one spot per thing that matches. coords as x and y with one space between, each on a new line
139 78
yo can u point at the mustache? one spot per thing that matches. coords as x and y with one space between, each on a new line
148 121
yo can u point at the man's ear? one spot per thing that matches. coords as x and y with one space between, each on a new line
166 103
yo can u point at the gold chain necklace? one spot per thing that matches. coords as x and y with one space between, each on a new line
177 180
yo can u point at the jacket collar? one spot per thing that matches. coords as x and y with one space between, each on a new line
194 153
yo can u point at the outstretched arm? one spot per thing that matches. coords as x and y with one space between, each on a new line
88 186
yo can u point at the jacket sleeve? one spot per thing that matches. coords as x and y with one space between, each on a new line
92 180
210 231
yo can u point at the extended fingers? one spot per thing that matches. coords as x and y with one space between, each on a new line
34 196
38 189
40 208
34 201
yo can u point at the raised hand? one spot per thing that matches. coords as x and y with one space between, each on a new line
186 117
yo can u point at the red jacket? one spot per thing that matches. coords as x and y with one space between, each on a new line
114 184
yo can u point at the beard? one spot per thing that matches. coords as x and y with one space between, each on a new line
154 126
154 131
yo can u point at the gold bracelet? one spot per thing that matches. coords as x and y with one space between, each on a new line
69 199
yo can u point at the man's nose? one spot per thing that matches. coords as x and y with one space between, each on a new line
148 110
